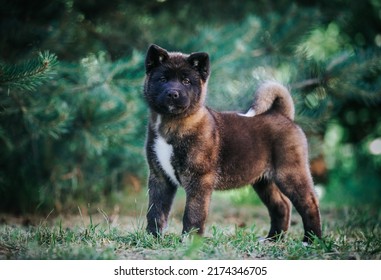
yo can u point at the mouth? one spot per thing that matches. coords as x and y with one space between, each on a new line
176 107
176 110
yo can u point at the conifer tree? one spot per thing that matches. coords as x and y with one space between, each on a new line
72 138
21 125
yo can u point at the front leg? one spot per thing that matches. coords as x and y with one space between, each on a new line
161 194
196 211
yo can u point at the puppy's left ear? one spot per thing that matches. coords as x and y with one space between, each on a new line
200 62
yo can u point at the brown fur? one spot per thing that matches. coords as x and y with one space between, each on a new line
272 94
209 150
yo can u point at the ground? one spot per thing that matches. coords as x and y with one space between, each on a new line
234 231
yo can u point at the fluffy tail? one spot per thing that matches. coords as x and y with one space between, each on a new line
273 96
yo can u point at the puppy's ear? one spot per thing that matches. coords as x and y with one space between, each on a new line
155 56
200 62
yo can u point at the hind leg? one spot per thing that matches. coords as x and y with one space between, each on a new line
278 205
298 187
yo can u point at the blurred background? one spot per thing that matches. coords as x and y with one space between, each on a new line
72 116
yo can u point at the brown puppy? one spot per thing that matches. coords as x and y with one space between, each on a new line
191 145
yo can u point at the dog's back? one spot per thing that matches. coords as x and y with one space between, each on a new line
241 139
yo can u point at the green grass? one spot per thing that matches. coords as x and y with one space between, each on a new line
233 232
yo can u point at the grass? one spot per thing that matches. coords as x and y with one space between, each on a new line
233 232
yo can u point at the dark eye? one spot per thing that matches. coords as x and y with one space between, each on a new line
186 82
163 79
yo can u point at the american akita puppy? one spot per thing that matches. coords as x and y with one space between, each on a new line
193 146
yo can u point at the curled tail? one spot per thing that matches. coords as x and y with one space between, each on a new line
273 96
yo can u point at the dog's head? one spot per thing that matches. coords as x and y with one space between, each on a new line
175 83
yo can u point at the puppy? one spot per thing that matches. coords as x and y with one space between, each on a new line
202 150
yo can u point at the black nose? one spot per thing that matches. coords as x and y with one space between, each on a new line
173 94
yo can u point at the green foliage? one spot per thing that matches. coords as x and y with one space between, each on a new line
30 74
352 166
74 139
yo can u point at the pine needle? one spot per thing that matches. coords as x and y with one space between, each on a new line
30 74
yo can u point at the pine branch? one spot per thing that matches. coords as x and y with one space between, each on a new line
30 74
324 86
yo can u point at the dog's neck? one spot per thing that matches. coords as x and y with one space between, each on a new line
170 126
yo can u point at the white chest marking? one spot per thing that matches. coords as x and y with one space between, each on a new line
250 113
164 153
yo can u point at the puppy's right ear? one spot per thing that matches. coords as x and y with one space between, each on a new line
155 56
